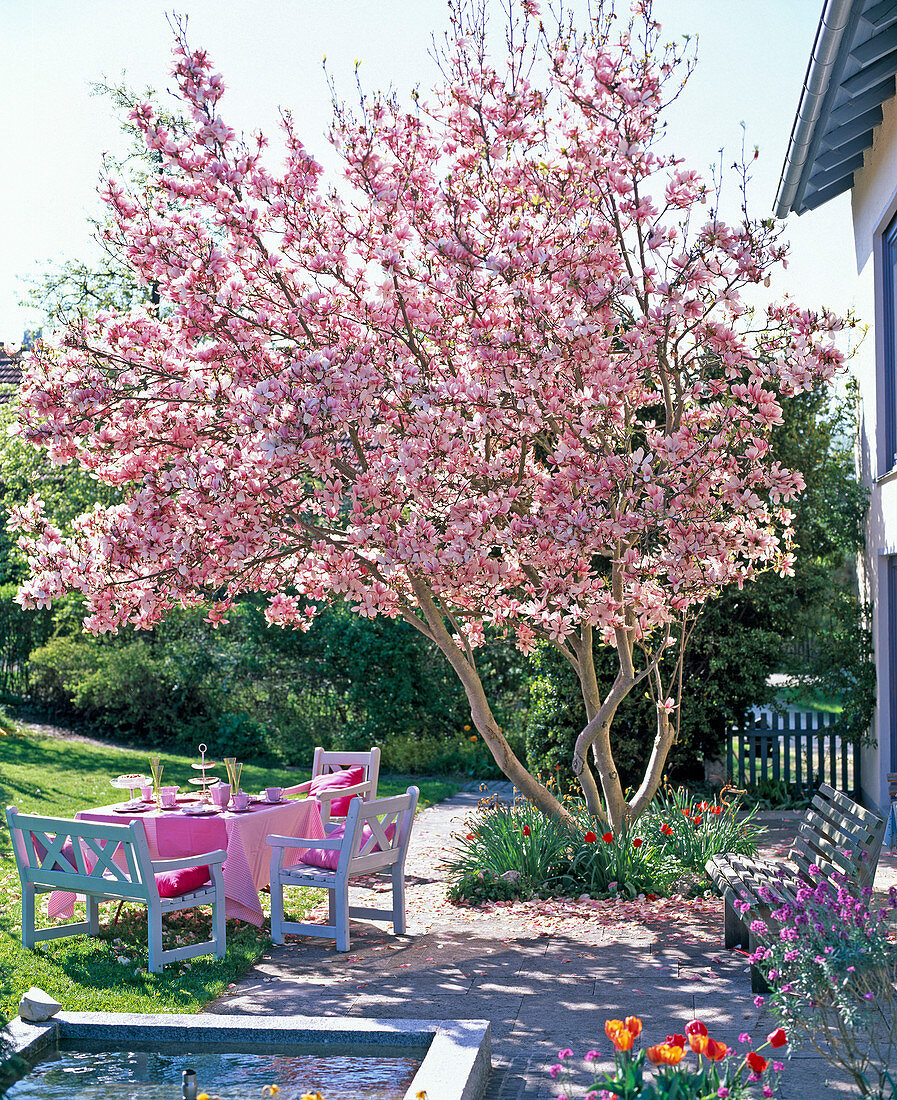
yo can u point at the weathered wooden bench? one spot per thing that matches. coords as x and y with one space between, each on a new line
111 862
835 834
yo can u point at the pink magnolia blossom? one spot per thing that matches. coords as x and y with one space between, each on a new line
490 385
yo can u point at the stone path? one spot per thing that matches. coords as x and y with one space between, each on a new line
547 976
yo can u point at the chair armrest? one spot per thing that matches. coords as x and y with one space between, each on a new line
302 842
343 792
189 861
299 788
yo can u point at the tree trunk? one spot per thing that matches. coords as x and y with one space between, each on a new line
481 713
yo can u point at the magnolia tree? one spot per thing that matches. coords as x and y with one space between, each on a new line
500 382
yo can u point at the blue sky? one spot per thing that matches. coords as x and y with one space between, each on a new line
752 59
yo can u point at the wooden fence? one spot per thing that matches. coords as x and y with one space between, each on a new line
796 749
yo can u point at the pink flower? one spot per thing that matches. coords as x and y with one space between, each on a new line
565 1053
555 1071
591 1055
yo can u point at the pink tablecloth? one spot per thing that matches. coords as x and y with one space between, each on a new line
172 834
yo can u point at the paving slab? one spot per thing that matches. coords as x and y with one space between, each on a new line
547 977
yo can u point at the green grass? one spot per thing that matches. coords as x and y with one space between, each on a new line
55 777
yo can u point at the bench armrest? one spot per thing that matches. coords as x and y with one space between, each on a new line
189 861
302 842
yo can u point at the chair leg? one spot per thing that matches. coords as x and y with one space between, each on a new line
398 900
154 940
93 915
28 915
276 910
219 931
735 931
340 904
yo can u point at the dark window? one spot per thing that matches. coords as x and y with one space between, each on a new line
888 397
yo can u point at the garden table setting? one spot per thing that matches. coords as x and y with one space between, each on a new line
179 825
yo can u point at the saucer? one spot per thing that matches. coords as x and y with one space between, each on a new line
201 811
245 810
139 809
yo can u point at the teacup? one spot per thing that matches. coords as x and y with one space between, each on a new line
241 801
146 793
221 794
274 794
169 796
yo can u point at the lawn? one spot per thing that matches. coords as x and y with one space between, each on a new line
46 775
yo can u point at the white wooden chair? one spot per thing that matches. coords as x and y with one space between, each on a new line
327 763
373 840
108 862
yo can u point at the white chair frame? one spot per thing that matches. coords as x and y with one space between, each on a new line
354 860
326 762
111 863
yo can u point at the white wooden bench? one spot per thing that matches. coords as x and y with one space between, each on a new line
108 862
835 834
374 840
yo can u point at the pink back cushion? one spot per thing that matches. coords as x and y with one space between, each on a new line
335 781
328 858
172 884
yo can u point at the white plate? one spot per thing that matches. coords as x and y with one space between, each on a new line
141 809
234 810
200 811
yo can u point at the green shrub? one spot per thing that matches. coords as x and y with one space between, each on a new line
515 839
677 825
624 865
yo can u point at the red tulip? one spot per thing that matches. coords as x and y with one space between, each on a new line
526 830
777 1038
667 830
590 837
695 1028
756 1061
608 838
638 842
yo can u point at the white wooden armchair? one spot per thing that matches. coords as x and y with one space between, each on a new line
374 840
328 765
110 862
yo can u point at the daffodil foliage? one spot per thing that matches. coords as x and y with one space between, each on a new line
499 380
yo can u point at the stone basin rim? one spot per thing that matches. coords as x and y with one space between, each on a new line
456 1063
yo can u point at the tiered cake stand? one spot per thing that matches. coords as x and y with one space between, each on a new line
204 781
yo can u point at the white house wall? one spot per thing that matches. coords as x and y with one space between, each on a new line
874 202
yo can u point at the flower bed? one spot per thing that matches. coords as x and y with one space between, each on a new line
513 851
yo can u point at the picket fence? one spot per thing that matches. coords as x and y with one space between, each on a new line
794 748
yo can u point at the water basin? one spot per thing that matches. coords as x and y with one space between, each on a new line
71 1072
137 1056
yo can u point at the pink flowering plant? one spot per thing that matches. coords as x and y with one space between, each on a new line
504 379
716 1072
831 959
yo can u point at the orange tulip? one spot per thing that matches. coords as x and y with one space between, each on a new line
634 1024
665 1054
716 1051
619 1034
698 1043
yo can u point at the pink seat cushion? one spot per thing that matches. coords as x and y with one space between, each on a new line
328 858
335 781
171 884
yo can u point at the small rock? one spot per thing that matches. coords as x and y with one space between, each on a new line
37 1006
510 876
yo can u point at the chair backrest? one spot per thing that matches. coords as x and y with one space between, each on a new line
838 835
327 762
82 856
377 833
